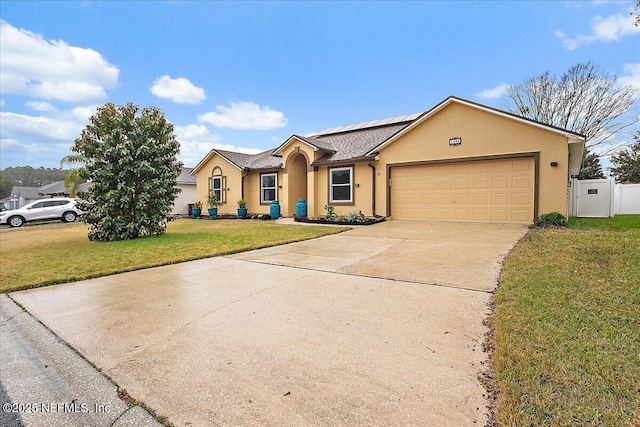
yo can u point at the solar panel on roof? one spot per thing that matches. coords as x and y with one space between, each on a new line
372 123
386 121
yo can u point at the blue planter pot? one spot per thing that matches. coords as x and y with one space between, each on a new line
213 211
274 209
196 212
301 208
242 212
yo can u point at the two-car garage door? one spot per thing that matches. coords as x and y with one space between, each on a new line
500 190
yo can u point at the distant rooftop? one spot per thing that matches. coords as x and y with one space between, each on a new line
373 123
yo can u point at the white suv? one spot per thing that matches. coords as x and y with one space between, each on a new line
62 208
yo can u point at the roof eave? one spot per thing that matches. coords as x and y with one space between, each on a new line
206 159
351 160
278 151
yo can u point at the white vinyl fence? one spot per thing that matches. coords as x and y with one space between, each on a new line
593 198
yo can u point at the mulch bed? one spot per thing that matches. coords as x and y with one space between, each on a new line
367 221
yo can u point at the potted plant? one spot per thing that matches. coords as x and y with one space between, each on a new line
197 209
213 202
242 208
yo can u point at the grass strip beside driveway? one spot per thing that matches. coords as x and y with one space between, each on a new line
567 328
44 255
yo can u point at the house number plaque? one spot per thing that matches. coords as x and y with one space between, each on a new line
455 141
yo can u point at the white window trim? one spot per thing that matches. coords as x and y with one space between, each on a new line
262 187
213 190
331 185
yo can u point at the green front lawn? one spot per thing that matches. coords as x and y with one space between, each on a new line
35 256
567 327
618 222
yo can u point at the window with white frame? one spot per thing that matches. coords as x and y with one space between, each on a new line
216 187
268 187
341 185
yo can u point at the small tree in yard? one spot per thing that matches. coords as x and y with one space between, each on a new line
626 164
130 160
72 182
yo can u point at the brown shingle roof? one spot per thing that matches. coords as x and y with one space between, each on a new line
357 143
265 160
185 177
241 160
316 142
340 146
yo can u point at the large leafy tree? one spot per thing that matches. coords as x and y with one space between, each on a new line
585 99
626 163
130 157
591 167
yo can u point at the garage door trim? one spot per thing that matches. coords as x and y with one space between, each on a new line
534 154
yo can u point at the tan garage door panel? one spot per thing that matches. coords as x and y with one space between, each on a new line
481 191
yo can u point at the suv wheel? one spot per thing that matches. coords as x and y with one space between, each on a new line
16 221
69 216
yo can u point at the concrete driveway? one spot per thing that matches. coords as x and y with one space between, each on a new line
342 330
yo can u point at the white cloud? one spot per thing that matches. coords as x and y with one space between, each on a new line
40 106
15 125
35 67
35 140
244 115
196 142
178 90
497 92
633 76
82 114
1 103
611 28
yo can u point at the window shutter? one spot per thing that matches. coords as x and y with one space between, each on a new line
224 189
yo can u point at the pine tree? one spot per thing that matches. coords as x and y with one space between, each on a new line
591 167
626 164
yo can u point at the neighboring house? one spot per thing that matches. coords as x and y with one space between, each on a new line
21 195
459 161
57 189
187 183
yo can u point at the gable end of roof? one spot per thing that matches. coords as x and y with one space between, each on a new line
572 136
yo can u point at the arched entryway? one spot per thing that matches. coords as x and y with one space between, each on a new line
297 170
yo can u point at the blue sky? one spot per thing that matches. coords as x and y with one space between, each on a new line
246 75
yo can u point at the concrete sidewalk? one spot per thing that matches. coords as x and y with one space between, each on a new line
45 383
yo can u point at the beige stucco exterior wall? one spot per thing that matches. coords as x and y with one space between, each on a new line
252 192
318 184
483 134
216 165
289 152
362 191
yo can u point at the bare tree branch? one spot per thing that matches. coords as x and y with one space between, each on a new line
585 100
